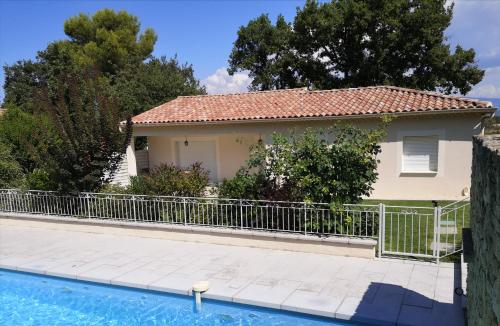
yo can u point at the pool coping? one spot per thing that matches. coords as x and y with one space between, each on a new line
217 297
161 292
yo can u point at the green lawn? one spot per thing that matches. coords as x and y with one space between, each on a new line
412 230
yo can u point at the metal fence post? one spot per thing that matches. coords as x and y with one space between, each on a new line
133 208
241 214
435 235
10 201
185 211
381 228
87 197
438 233
305 219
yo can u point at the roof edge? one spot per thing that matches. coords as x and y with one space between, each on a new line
480 110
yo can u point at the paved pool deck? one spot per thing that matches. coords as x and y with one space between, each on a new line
376 291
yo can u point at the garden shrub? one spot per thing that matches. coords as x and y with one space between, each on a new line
39 179
11 174
309 167
170 180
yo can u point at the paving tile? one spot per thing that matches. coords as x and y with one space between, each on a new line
104 273
267 296
398 274
384 311
224 290
174 283
448 279
142 277
422 286
442 314
312 303
351 270
39 266
16 261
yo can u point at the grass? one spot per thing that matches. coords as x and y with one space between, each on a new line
412 230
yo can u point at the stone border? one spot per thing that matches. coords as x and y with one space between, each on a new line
333 245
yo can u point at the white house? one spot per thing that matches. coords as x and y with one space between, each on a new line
426 154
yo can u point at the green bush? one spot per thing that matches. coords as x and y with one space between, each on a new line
11 174
170 180
39 179
336 165
243 185
111 188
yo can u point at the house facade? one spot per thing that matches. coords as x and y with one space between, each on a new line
426 154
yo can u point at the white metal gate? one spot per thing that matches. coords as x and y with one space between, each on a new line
425 232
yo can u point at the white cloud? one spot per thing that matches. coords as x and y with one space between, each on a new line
222 83
489 86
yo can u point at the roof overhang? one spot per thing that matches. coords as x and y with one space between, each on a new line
483 111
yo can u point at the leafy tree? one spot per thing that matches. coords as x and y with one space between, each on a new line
69 131
265 51
88 146
310 167
27 135
146 85
22 81
11 174
108 40
352 43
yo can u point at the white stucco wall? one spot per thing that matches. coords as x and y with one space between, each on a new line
455 133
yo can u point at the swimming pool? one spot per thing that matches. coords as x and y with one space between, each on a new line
29 299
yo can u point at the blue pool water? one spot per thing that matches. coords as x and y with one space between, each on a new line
29 299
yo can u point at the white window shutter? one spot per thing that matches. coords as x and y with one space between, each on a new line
420 154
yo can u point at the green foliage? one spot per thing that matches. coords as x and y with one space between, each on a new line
64 107
39 179
22 80
144 86
108 39
11 174
492 126
309 167
264 50
352 43
88 145
170 180
109 42
27 134
244 184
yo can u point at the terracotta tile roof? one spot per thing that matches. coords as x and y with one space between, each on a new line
302 103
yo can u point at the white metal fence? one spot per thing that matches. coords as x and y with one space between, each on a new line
426 232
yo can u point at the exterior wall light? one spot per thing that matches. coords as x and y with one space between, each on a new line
186 143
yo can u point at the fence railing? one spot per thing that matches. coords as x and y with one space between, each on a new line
425 232
295 217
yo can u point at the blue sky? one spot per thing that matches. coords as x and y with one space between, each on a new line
202 32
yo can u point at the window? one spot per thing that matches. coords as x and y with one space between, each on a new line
420 154
198 151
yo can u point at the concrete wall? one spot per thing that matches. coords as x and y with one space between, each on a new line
483 278
455 133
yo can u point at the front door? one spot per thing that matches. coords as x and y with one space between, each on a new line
203 151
